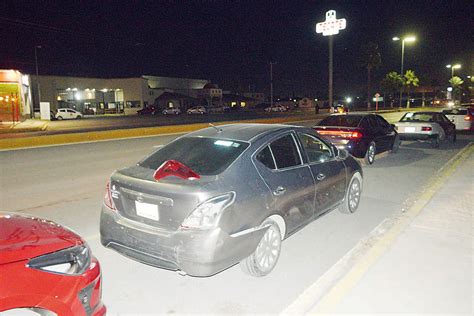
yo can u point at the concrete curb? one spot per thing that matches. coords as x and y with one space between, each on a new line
58 139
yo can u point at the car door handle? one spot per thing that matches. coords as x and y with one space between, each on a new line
279 191
320 177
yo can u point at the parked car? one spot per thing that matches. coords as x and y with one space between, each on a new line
67 114
338 109
362 135
224 195
462 117
426 126
276 108
148 110
46 268
173 111
197 110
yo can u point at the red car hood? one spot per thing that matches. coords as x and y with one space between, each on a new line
23 237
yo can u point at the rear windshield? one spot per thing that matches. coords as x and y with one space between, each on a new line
341 120
206 156
455 112
417 117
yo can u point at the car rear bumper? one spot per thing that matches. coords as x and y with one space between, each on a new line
195 252
416 136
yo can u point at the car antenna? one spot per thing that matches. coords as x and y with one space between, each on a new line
218 129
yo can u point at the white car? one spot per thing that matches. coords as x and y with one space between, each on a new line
276 108
174 111
462 117
68 114
197 110
426 126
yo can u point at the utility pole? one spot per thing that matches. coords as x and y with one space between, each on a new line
271 83
37 75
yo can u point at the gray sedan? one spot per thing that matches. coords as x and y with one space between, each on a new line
224 195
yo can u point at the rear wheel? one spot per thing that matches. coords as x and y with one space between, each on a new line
352 198
370 154
435 142
60 118
264 258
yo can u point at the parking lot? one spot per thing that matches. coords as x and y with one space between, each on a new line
66 184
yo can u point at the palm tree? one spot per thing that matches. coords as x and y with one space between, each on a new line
392 83
411 81
370 59
456 83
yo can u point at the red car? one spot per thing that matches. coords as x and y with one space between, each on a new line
46 268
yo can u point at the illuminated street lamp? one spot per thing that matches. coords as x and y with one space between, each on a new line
407 39
348 100
457 66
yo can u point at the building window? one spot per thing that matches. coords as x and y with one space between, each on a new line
242 104
233 104
170 104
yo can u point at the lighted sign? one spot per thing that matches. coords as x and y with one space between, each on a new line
332 25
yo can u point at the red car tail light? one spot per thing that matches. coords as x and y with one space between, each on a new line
468 117
108 198
343 134
426 129
175 168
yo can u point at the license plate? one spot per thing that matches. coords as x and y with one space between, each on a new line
147 210
409 129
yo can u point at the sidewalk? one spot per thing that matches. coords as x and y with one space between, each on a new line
428 266
29 125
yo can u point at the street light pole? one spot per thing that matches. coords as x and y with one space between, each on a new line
407 39
271 83
330 92
37 74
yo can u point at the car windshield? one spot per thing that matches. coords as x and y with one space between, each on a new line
417 117
205 156
341 120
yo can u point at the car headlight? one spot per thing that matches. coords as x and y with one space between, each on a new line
71 261
206 215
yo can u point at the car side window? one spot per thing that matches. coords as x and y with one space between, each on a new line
315 149
364 123
373 122
266 158
285 152
383 123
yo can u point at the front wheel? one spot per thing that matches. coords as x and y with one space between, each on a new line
353 193
435 142
396 144
262 261
370 154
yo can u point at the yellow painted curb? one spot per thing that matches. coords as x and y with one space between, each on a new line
48 140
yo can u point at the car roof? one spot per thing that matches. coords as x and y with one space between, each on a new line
242 132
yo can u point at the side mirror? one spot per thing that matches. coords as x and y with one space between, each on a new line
340 153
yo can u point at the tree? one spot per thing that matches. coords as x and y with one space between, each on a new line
411 81
456 83
392 83
370 59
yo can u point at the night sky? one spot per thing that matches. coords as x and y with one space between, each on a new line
232 42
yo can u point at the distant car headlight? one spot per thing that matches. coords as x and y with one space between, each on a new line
206 215
70 261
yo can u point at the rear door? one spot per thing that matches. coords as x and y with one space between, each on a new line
387 134
378 133
328 172
290 181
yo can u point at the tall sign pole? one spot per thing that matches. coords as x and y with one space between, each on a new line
330 27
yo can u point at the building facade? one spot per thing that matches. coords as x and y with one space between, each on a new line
15 96
111 95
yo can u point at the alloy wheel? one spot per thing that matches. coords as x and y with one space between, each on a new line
268 249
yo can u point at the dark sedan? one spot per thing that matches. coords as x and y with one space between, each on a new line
224 195
362 134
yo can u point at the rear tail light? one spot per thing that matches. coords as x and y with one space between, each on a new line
108 198
175 168
468 117
426 129
343 134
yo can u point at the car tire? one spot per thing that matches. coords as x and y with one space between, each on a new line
396 144
352 197
370 154
262 261
78 117
60 118
435 142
